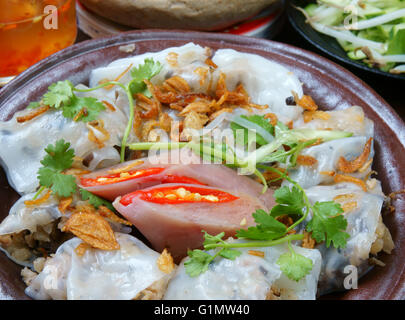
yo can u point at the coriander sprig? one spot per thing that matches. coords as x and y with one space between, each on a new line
51 175
294 265
60 95
327 222
59 158
143 72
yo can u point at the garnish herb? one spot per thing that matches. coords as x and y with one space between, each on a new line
327 223
143 72
95 201
294 265
274 151
60 95
58 159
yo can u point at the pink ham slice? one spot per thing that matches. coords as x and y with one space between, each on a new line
177 227
215 175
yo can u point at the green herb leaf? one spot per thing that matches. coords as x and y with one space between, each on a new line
58 93
295 266
198 262
91 106
145 71
210 239
267 228
260 121
290 202
95 200
59 157
230 254
61 184
328 224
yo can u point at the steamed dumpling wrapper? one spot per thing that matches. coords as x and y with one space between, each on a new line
35 221
327 155
363 214
22 217
175 61
23 143
248 277
351 119
248 69
266 82
123 274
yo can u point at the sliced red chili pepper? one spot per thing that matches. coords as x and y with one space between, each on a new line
180 179
118 177
158 195
135 174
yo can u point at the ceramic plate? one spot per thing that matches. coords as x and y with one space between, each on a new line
330 85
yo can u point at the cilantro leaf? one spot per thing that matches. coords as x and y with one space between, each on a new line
210 239
59 157
290 202
295 266
230 254
260 121
267 228
91 108
145 71
59 93
62 184
328 224
95 200
198 262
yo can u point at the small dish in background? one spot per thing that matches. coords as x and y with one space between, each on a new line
326 43
265 24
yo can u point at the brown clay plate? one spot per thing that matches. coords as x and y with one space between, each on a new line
329 84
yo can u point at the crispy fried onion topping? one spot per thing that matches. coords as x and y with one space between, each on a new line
346 178
196 109
33 114
165 262
92 229
356 164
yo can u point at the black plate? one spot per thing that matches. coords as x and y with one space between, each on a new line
325 43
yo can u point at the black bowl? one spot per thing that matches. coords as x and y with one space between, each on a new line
325 43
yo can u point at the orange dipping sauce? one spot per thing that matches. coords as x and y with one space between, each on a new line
28 33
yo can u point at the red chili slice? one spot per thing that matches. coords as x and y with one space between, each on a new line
142 173
151 195
180 179
114 178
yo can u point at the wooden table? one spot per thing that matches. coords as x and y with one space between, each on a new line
393 91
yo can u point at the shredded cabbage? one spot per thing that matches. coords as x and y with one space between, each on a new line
372 31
